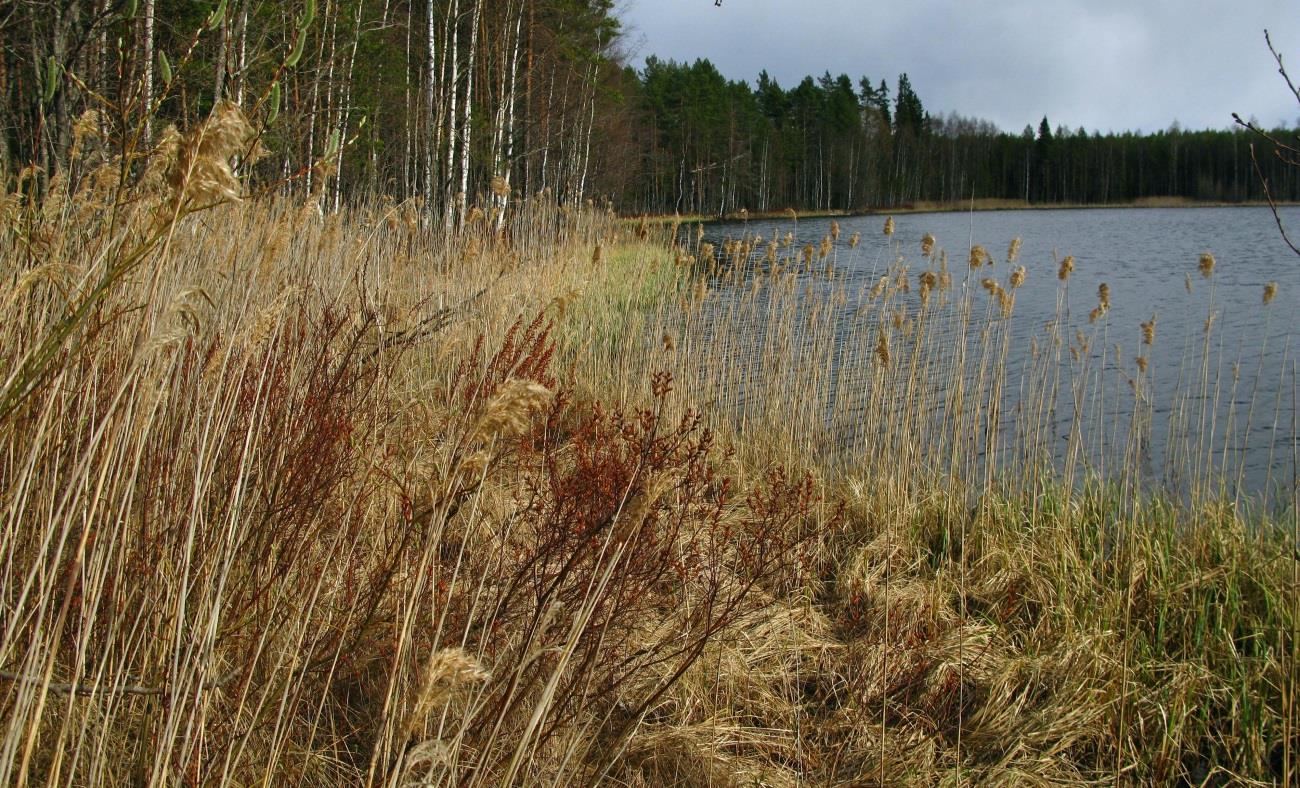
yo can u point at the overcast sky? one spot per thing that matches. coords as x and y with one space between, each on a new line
1101 64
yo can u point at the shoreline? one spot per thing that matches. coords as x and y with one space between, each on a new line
977 206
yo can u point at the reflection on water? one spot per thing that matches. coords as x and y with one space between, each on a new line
1194 404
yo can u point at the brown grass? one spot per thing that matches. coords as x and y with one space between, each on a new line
344 499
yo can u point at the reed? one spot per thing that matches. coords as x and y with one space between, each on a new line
343 498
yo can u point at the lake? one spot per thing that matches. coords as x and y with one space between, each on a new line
1205 406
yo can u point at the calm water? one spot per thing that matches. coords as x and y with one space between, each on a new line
1144 255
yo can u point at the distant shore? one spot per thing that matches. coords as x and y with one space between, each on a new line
980 205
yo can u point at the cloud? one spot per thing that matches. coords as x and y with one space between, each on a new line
1100 64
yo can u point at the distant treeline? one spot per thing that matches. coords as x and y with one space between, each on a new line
707 144
469 102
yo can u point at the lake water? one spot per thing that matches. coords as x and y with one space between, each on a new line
1239 393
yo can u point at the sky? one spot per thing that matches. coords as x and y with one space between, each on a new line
1105 65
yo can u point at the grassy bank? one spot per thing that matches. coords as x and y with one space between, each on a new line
343 499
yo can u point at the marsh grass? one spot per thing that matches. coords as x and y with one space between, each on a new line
345 499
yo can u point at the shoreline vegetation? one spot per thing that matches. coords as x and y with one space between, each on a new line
342 498
978 205
345 439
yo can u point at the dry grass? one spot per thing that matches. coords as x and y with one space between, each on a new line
342 499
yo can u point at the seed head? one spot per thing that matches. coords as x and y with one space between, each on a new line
978 254
882 348
1067 268
1006 301
1141 364
201 172
1149 331
854 240
1013 252
1206 265
929 280
835 230
510 412
1103 296
927 244
500 187
1270 292
878 289
1017 277
889 226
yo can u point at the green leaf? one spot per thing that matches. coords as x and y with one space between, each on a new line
274 100
51 78
218 14
308 15
164 67
299 41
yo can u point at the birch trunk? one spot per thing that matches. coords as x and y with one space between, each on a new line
467 113
345 105
147 89
453 80
223 49
507 158
431 87
241 54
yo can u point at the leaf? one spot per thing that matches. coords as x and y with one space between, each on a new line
217 16
308 15
274 100
51 78
299 41
164 67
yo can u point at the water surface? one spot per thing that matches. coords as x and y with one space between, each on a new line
1229 393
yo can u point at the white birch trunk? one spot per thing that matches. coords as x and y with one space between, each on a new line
148 71
345 106
431 87
508 151
453 80
223 49
467 113
241 53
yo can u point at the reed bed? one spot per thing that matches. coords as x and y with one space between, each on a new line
344 498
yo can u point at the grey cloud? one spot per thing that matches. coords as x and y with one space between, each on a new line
1100 64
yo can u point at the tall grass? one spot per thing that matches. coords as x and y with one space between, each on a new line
346 499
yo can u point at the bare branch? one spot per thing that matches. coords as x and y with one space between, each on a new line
1272 204
1281 69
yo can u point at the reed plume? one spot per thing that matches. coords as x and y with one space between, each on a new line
1206 265
1149 331
1067 268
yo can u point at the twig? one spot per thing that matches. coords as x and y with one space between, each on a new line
1272 204
1281 69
